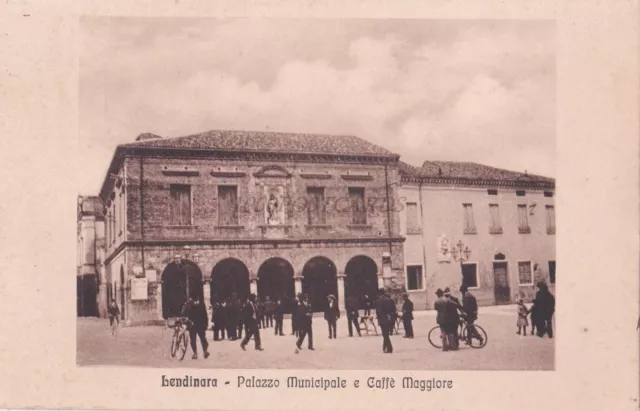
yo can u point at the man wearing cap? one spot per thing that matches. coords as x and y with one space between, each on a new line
385 308
331 314
304 323
470 308
407 316
440 307
251 324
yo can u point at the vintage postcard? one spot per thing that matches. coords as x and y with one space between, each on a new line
326 209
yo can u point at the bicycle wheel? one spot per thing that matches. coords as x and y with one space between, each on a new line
183 345
435 337
480 339
174 344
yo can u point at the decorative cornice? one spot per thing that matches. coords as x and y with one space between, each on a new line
479 183
228 174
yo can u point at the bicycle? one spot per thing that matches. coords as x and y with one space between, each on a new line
463 328
180 338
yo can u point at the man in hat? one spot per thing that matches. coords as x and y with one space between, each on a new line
470 309
304 323
196 312
440 306
385 308
251 324
407 316
331 314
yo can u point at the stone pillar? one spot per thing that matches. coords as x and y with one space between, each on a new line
159 300
206 291
297 282
341 296
253 285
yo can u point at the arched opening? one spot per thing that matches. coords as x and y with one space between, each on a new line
275 280
227 277
180 280
361 279
319 281
123 296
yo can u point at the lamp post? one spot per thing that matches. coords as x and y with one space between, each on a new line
461 253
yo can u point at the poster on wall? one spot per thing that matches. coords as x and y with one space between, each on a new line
443 249
139 289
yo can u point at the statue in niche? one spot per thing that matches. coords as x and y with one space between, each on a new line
274 211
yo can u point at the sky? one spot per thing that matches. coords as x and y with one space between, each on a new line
447 90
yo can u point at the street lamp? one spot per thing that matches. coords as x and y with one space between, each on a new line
461 253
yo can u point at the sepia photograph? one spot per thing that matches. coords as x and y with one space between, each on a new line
271 193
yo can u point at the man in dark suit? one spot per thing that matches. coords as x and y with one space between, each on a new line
218 317
278 316
407 316
304 323
352 315
196 312
251 323
269 311
231 318
294 314
331 314
470 309
385 308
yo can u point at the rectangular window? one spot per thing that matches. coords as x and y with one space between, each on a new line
521 193
496 225
551 219
552 272
316 212
469 223
470 275
180 204
548 193
492 192
227 205
358 209
413 222
524 273
523 219
414 277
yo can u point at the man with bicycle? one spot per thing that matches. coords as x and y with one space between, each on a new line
470 313
196 312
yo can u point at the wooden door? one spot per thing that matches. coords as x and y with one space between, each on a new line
502 291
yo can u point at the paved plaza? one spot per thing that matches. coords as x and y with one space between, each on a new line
149 347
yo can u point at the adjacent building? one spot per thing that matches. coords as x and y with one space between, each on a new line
90 236
490 228
226 213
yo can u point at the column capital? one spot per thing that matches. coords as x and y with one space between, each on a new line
341 276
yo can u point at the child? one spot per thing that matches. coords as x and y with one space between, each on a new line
522 317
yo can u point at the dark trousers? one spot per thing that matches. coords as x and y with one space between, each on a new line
367 312
232 331
198 332
408 327
332 328
279 326
303 332
294 326
545 326
269 320
386 341
240 327
252 331
352 320
218 332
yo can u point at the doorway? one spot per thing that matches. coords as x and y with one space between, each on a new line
361 279
275 280
502 292
319 280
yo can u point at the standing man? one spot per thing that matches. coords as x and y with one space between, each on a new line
196 312
218 317
231 319
470 309
294 314
440 307
270 310
352 315
239 314
251 324
279 316
407 316
304 323
451 318
545 306
331 314
384 311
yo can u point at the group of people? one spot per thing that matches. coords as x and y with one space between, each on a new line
451 313
228 317
541 312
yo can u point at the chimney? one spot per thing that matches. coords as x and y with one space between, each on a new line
147 136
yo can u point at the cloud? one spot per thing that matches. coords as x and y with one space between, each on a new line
456 91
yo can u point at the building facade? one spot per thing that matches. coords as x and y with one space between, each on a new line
90 242
227 212
490 228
